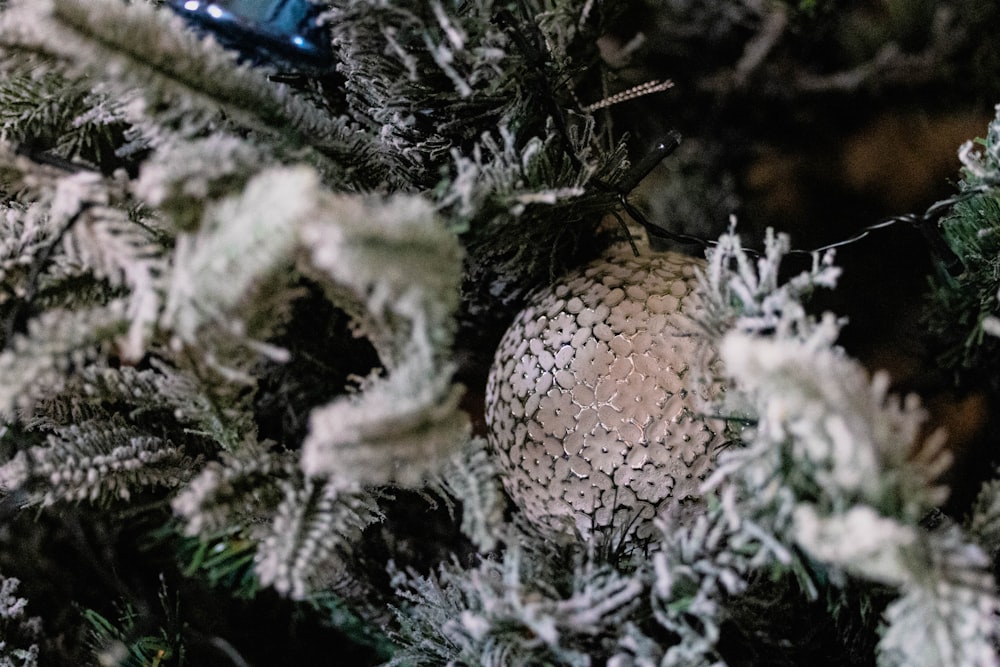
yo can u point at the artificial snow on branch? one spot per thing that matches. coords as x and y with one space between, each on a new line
35 363
835 465
304 547
19 633
701 566
506 612
243 239
95 460
399 269
238 490
946 615
471 477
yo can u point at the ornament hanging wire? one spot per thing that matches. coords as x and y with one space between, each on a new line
926 223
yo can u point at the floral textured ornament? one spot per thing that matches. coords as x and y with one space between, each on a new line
593 410
264 30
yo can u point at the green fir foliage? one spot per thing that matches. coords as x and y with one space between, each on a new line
121 641
964 308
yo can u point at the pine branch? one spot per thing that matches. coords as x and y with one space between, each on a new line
965 309
38 107
35 363
304 549
243 240
983 523
158 398
471 477
155 50
118 641
838 467
240 490
47 205
400 268
26 235
947 615
983 167
440 69
97 461
183 177
742 294
67 117
18 632
834 436
223 559
122 253
510 612
486 97
699 569
79 248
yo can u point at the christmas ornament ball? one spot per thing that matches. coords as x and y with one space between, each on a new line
593 411
283 31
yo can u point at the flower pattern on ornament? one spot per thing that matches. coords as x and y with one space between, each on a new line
592 388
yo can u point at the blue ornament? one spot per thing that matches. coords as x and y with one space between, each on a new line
281 31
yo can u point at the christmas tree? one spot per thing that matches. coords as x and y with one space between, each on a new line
414 333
